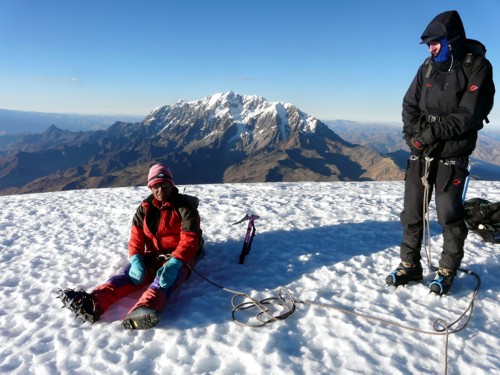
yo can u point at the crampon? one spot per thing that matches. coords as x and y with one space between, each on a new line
81 303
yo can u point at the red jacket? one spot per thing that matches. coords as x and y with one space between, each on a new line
171 228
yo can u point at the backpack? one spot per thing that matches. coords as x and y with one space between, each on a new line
193 202
474 49
483 218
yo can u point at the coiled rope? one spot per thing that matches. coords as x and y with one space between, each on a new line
272 309
265 314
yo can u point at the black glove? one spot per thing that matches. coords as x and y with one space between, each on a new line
426 137
422 124
416 144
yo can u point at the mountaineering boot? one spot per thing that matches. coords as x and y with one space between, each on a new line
141 318
81 303
442 283
405 273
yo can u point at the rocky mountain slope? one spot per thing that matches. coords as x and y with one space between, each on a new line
387 140
221 138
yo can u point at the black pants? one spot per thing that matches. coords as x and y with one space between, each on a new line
447 179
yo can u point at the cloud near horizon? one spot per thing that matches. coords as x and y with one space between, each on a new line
74 80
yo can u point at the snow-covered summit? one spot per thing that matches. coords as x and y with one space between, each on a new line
331 243
253 115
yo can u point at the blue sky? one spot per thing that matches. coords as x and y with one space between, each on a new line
348 60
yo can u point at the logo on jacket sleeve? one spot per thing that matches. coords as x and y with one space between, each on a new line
473 88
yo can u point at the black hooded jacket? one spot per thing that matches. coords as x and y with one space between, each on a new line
459 100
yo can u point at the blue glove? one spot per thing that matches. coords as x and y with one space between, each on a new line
168 273
137 270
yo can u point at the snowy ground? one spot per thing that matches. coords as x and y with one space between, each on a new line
328 243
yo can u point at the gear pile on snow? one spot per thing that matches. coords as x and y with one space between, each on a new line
81 303
483 218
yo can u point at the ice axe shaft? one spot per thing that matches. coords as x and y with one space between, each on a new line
466 184
250 234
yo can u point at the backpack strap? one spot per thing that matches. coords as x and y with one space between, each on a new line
468 58
428 64
469 61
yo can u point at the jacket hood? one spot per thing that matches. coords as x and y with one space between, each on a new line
447 25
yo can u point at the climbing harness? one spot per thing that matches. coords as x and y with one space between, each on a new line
247 243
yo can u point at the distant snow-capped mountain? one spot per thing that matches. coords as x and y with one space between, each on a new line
224 137
236 122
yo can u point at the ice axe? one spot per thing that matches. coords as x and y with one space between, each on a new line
247 244
466 184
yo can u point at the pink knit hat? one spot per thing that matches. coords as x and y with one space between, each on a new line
159 173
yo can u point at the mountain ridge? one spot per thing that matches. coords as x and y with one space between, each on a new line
387 140
224 137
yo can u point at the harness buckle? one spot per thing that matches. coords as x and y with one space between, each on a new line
432 118
448 162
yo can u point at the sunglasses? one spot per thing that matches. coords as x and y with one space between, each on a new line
163 185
